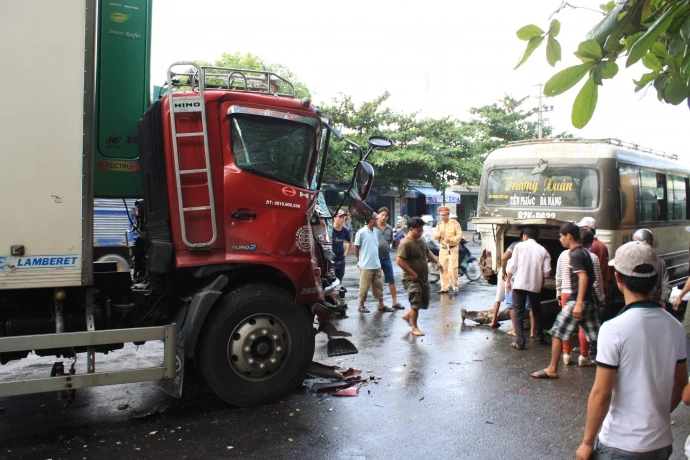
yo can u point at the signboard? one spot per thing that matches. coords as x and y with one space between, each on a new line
553 188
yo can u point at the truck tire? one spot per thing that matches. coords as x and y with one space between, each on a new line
256 345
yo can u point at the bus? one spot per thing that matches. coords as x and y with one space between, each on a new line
548 182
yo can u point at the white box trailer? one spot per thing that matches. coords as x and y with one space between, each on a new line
46 133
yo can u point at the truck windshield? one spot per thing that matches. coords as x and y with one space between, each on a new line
553 188
279 149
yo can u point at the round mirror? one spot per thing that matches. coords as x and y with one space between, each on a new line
380 141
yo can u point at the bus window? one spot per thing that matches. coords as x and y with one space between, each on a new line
630 194
553 188
652 196
677 198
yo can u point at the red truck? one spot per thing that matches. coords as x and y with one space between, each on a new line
229 269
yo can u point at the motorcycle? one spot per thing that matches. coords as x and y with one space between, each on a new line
467 266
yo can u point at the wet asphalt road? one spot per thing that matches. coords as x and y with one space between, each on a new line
458 392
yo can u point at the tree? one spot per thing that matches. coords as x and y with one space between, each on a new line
655 32
427 149
251 62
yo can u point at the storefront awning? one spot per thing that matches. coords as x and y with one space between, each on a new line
433 196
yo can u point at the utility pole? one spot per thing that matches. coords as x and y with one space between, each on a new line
540 109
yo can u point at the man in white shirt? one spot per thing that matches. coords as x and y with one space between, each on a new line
529 265
641 369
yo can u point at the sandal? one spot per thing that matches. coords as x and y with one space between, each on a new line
543 375
385 310
516 346
495 325
397 306
363 310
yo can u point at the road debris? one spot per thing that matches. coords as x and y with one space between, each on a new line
421 399
378 405
122 406
153 411
350 391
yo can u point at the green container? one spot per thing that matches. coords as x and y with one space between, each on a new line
122 95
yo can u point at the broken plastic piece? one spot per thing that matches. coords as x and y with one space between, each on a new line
122 406
350 391
319 370
352 372
328 387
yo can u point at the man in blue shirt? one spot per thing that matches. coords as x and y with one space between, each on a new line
339 235
367 254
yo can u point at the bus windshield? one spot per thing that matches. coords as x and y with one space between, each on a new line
553 188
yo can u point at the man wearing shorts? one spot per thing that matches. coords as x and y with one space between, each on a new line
413 256
501 284
580 308
385 241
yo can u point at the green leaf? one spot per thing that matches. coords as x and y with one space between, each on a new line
645 80
596 74
685 31
685 68
651 62
589 50
660 85
607 7
676 46
676 91
632 39
555 28
641 46
585 103
603 30
553 51
609 69
659 50
566 79
528 32
532 45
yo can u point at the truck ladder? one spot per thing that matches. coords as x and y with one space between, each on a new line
187 104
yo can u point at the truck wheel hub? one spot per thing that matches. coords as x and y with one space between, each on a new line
258 347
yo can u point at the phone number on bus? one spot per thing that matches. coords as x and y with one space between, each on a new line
536 215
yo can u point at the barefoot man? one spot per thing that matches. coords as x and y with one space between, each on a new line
413 256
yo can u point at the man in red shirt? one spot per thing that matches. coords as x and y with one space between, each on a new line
599 249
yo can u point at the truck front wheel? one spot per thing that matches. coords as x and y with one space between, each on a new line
256 345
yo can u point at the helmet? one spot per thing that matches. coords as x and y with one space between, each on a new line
427 219
453 216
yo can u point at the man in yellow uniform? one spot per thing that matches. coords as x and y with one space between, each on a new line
449 234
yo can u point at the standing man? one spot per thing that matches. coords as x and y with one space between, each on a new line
339 235
413 256
580 308
367 254
641 368
662 290
385 242
598 248
501 283
449 234
529 265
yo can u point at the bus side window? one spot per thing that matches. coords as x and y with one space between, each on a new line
650 210
630 194
677 198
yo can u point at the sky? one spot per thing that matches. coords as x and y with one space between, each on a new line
437 57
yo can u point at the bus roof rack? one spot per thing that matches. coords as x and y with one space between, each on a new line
611 141
222 78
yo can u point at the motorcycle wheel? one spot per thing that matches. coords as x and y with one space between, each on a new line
477 237
473 272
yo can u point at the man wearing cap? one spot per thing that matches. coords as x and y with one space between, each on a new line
413 256
641 368
448 233
339 235
367 255
598 248
662 290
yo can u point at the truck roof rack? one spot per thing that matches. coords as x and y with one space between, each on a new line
610 140
222 78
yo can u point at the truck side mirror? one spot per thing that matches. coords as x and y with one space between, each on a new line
360 210
364 178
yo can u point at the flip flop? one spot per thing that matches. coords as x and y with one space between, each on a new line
363 310
385 310
542 375
397 306
516 346
495 325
